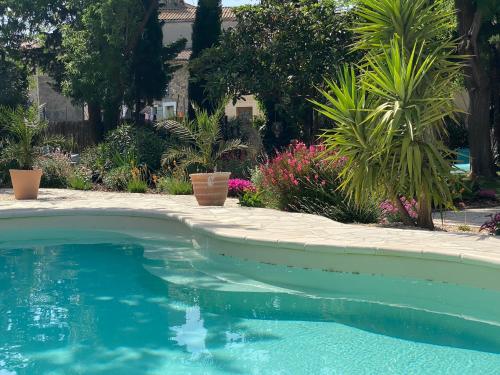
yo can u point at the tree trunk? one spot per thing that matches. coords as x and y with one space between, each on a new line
405 216
480 133
424 219
94 111
495 94
477 82
111 117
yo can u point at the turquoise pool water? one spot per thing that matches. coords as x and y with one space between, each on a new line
122 305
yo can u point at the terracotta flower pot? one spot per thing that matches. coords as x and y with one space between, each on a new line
210 189
25 183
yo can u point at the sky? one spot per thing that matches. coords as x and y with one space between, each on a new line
229 3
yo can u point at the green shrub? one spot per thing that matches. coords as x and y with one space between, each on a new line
150 147
267 196
57 169
251 199
137 186
174 186
146 143
117 178
143 144
97 159
78 182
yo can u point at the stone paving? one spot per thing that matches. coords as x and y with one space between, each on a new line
473 217
279 229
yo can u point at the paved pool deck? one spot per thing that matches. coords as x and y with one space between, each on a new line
473 217
255 225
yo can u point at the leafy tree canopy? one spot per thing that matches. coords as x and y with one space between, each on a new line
279 51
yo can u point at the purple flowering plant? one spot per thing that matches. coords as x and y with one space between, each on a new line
493 225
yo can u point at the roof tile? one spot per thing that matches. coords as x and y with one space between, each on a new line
188 14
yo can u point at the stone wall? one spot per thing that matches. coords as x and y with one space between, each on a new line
55 106
178 89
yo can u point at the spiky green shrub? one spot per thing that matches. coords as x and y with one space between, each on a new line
174 186
200 141
78 182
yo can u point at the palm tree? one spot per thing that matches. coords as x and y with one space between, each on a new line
201 142
389 117
24 135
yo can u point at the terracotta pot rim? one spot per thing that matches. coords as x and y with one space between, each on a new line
25 170
211 173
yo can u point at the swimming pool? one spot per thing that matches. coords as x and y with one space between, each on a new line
118 301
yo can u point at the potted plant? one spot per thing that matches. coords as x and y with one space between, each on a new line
201 145
22 145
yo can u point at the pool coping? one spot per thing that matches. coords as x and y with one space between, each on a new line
267 228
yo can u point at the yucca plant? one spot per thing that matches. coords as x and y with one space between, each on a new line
201 143
389 117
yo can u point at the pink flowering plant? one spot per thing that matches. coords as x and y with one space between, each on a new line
238 187
283 174
391 214
301 179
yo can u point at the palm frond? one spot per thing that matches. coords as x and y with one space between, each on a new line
183 130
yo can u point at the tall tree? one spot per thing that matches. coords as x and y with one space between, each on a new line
116 56
477 23
96 67
207 29
150 68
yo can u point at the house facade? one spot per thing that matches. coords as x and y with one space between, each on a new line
54 106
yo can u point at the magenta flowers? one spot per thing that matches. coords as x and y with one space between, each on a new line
238 187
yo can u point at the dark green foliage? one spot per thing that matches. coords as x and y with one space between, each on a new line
457 135
206 33
149 79
251 199
146 143
124 148
322 197
479 29
13 84
115 54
